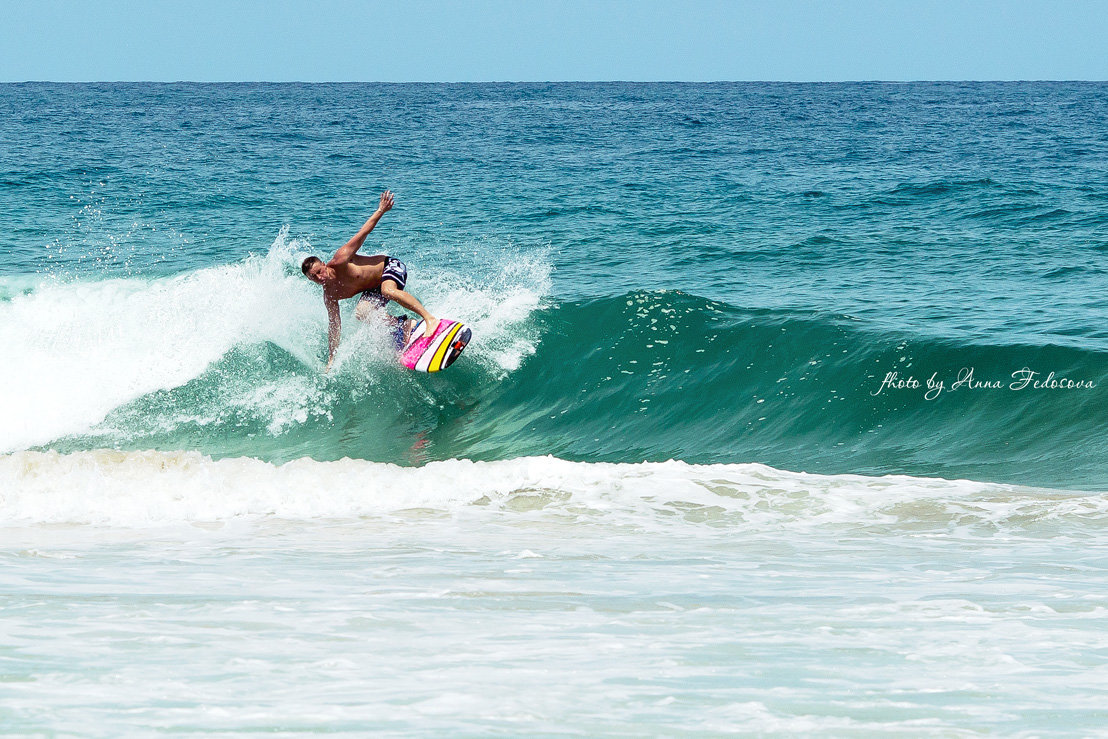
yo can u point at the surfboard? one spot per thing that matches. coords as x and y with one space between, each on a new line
438 351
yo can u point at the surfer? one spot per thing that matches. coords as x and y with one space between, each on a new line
379 279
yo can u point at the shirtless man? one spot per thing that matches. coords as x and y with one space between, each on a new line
378 278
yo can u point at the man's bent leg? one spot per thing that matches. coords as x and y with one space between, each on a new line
370 302
392 291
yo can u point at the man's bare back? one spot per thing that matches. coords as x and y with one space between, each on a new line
349 273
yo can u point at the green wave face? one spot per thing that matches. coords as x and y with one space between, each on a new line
650 376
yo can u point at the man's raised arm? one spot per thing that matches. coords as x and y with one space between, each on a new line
350 248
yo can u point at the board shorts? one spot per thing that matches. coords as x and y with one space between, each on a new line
396 271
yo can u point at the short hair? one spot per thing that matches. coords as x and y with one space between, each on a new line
307 264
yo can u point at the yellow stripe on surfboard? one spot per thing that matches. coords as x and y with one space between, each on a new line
436 361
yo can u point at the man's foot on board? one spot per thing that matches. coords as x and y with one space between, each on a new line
429 327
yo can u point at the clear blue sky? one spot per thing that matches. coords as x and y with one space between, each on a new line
485 40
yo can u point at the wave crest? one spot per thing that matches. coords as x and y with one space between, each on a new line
138 489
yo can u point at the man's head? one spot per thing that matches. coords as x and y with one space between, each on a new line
316 270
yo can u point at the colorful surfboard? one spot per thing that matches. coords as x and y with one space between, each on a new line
438 351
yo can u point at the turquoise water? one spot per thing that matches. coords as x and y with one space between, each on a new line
672 485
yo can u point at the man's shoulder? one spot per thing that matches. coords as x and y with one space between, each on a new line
367 260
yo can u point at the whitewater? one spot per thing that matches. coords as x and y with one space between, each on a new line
688 478
81 349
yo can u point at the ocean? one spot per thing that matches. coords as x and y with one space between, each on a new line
783 414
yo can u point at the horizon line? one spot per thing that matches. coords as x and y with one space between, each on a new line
538 82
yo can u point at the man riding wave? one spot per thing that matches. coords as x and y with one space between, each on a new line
379 279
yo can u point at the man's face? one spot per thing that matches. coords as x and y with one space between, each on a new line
320 273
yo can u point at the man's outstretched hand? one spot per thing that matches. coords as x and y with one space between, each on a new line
386 202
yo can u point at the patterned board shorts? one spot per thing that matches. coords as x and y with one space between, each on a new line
396 271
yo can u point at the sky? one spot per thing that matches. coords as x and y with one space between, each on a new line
552 40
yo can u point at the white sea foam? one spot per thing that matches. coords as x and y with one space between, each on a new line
155 488
541 596
74 351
